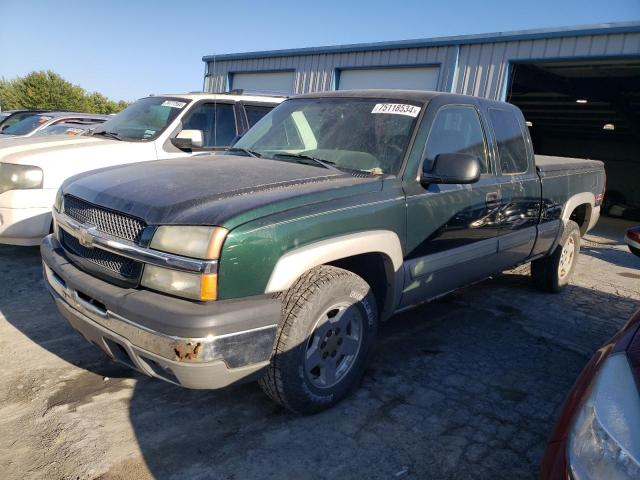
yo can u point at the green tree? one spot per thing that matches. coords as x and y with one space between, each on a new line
48 90
98 103
8 97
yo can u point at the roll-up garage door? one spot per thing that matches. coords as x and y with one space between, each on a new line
272 82
413 78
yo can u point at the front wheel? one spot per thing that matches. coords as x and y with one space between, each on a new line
553 273
634 250
328 327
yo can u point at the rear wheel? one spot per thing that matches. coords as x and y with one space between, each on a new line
553 273
634 250
329 324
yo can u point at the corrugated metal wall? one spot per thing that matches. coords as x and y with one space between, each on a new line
482 68
316 72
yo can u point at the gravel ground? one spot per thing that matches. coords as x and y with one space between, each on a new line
464 387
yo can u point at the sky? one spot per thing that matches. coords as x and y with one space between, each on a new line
127 49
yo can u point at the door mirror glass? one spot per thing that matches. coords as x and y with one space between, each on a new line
188 139
451 168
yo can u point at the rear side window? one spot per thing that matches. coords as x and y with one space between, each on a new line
512 150
255 113
217 122
457 129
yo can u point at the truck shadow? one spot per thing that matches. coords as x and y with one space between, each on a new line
27 305
620 257
472 370
466 386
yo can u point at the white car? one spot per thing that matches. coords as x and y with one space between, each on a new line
153 128
32 125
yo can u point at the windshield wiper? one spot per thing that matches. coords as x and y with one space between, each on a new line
251 153
300 156
104 133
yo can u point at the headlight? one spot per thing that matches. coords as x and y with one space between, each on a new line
196 242
19 177
59 201
183 284
604 440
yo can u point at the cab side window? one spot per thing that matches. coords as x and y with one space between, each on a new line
512 150
457 129
217 122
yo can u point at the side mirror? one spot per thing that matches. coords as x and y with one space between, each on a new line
452 168
188 139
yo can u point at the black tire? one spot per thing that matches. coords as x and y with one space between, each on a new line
546 271
635 251
306 311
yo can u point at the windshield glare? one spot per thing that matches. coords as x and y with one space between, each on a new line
146 119
26 125
352 133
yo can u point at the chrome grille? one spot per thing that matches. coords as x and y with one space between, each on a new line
106 221
122 266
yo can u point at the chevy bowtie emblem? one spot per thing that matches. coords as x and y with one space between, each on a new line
85 235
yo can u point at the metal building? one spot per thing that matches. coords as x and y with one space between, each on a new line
579 87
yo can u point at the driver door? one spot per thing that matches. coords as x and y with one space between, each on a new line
452 233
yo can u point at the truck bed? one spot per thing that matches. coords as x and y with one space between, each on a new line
570 182
546 163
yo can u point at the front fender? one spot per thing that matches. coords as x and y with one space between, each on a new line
293 264
268 255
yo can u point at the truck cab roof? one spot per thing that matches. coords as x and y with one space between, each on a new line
420 96
235 97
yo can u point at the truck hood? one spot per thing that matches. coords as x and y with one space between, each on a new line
213 190
61 156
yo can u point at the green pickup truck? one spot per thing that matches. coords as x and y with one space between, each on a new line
277 260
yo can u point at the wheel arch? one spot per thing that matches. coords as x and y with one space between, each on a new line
368 254
580 208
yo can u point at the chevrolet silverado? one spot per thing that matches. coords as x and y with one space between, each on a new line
277 261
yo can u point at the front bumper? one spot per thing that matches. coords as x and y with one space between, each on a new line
24 226
195 345
25 216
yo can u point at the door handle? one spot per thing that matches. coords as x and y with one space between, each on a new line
492 199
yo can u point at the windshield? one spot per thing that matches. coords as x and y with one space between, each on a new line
13 118
146 119
351 133
26 125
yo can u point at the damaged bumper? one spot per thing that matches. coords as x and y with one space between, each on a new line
195 345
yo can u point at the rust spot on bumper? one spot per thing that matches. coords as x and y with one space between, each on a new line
187 351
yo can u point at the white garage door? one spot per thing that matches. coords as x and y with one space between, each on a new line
273 82
412 78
